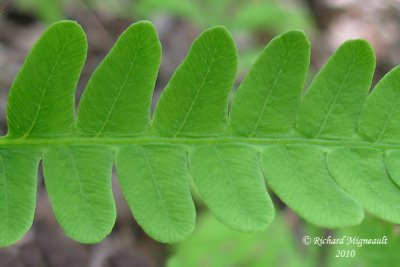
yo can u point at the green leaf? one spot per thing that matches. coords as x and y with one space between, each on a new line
277 77
205 78
78 180
122 86
333 102
299 176
362 172
18 171
232 172
381 112
155 182
41 100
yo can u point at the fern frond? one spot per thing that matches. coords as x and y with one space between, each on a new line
329 155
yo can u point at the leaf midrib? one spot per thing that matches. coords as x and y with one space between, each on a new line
141 140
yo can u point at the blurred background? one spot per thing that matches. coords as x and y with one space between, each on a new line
253 23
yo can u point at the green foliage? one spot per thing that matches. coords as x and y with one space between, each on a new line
17 192
236 15
338 93
232 173
299 176
277 76
369 166
126 75
214 244
240 15
315 153
207 74
49 77
79 187
378 121
157 194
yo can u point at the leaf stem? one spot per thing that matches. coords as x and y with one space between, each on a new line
140 140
